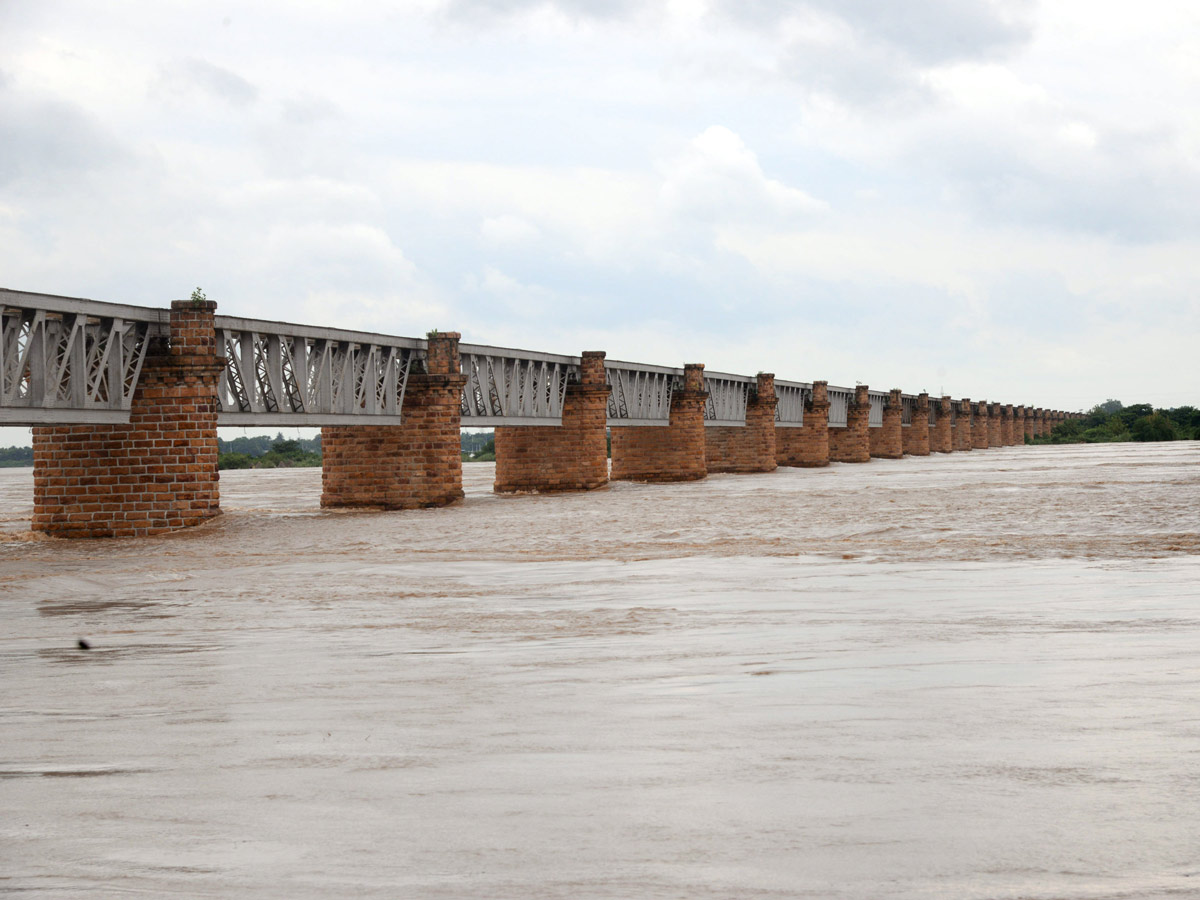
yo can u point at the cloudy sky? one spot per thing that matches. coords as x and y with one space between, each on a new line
992 198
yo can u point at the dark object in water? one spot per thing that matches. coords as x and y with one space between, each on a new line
84 645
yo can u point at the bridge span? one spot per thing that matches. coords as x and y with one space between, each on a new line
125 402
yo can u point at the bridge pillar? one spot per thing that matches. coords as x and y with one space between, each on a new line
673 452
408 466
570 457
888 442
853 443
155 474
980 430
964 429
916 435
1006 425
751 448
995 431
1035 421
808 446
941 438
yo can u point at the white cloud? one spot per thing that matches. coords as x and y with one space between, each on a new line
718 178
508 229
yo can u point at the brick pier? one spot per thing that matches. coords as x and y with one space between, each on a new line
751 448
941 438
408 466
571 457
853 443
888 442
807 446
154 474
964 430
674 452
981 428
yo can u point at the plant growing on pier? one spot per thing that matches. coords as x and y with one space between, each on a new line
197 297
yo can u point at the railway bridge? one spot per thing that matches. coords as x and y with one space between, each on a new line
125 402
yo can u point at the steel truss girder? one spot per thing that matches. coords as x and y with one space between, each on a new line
285 374
515 387
67 360
840 399
878 403
791 397
640 394
727 398
908 408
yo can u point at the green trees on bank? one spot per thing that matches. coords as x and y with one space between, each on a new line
265 453
1112 421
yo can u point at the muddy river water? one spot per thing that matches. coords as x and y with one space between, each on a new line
974 676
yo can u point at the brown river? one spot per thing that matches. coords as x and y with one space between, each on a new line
974 676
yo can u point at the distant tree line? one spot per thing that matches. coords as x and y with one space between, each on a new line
268 453
11 457
1112 421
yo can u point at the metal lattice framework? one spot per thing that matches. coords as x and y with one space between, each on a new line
66 360
935 407
286 374
514 387
878 403
640 394
840 399
727 398
791 397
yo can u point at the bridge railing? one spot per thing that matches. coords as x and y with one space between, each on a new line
727 398
514 387
908 406
791 397
285 374
878 401
65 359
640 394
840 399
935 405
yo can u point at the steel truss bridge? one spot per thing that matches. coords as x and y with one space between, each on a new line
67 360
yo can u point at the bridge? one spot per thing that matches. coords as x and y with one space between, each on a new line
125 402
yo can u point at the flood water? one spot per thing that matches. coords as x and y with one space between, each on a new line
974 676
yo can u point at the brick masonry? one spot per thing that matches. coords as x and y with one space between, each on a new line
981 430
748 449
572 457
853 443
408 466
808 446
155 474
964 431
941 438
995 430
916 434
674 452
887 442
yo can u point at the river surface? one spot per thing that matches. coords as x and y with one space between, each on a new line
973 676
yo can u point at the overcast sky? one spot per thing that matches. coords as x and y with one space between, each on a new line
988 198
